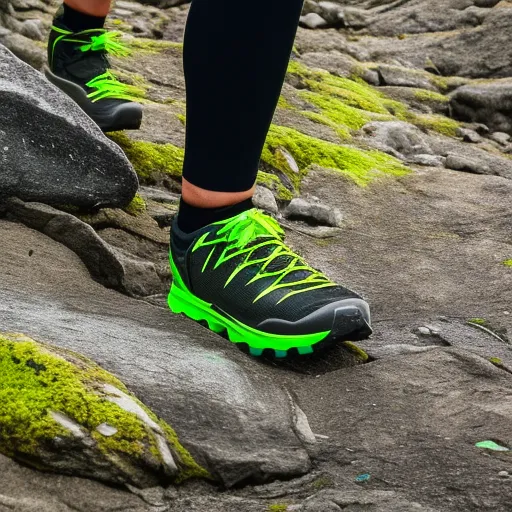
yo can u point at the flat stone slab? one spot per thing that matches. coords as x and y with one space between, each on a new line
228 411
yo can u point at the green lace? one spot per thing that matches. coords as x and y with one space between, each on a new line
107 41
106 85
264 231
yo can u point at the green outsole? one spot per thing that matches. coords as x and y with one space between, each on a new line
181 301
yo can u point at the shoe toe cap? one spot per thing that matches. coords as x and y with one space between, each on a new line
340 318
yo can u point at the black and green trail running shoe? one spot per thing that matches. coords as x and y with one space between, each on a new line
239 277
78 65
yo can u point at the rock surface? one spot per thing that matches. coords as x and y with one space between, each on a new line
234 419
485 102
62 412
50 151
361 126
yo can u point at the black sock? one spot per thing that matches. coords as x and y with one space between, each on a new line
192 218
77 21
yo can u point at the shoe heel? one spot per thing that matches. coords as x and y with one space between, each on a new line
174 301
178 303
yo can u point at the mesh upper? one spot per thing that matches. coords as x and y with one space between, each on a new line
237 297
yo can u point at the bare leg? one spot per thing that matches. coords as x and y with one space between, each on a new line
98 8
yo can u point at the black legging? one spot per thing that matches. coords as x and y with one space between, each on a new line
235 58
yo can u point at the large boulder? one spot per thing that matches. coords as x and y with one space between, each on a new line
485 102
230 413
50 150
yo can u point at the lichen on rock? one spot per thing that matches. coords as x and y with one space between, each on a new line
57 407
137 206
361 166
150 158
347 104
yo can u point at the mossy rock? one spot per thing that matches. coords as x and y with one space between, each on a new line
359 165
137 206
150 159
62 412
347 104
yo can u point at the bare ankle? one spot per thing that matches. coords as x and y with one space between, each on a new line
201 198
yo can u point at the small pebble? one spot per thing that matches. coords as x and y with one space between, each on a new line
424 330
504 474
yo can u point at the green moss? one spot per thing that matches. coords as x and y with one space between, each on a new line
119 25
440 82
272 182
153 45
283 102
355 93
278 507
496 361
336 111
182 118
359 165
342 131
357 351
36 379
149 158
438 123
424 95
349 103
137 206
507 263
479 321
323 482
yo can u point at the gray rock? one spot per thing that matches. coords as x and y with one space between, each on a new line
355 18
460 163
25 49
163 214
317 213
500 137
229 412
50 151
159 195
485 102
76 449
469 135
417 99
32 29
427 160
265 200
313 20
405 77
457 25
397 137
335 62
376 501
332 12
140 27
109 266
